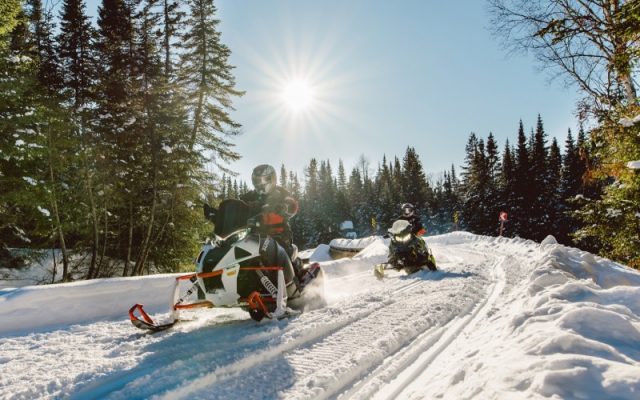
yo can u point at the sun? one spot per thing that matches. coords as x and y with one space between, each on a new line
298 95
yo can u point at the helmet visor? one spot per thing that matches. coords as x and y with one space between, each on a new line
263 184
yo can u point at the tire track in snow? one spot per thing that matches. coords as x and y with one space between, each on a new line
420 345
324 323
415 360
343 358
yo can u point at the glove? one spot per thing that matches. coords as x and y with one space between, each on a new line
291 206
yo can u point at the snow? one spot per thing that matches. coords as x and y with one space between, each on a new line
549 240
344 225
629 122
353 244
503 318
30 180
44 211
633 164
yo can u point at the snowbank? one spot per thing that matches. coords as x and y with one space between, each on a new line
353 245
567 326
33 308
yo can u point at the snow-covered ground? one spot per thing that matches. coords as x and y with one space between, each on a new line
504 318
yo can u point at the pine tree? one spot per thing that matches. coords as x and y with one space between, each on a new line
539 190
14 71
553 188
415 189
493 192
522 194
610 220
210 85
507 184
9 11
571 185
118 136
387 210
283 177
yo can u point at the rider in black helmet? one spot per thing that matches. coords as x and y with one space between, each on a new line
275 207
409 214
273 203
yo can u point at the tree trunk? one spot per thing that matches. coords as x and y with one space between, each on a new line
104 242
130 242
55 266
144 248
92 205
56 213
197 120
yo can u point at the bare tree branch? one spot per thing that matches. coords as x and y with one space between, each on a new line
583 39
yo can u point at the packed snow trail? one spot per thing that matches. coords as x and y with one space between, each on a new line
488 324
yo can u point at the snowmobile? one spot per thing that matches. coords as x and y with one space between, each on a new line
406 252
243 267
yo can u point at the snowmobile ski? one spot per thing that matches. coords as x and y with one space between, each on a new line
379 269
146 323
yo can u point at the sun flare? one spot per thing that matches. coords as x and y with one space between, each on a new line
298 95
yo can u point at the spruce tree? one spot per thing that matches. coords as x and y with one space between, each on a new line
209 84
507 185
415 188
283 177
553 188
522 193
540 193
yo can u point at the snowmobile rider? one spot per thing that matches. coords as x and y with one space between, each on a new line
273 203
275 207
409 214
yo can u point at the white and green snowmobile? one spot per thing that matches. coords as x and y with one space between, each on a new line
242 267
406 251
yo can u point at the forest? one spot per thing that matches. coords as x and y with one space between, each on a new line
541 187
113 135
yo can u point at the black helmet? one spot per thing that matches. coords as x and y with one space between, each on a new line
264 178
408 209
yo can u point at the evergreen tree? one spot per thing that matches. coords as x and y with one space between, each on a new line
113 142
507 184
540 193
283 177
387 209
477 206
210 85
522 194
415 188
553 185
75 42
610 219
493 175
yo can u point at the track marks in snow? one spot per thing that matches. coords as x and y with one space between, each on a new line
253 364
334 347
423 368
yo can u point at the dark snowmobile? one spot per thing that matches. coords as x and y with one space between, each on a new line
406 251
242 267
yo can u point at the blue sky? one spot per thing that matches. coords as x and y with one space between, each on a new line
385 75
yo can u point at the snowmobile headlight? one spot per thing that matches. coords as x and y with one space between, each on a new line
235 237
403 238
242 235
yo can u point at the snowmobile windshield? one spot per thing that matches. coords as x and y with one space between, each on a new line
231 216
